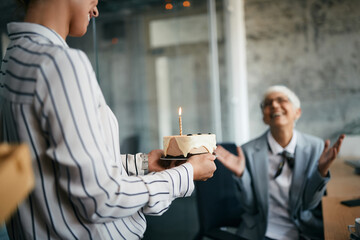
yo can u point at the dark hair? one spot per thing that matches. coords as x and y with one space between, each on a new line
23 3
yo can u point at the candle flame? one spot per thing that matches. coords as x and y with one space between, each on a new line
179 111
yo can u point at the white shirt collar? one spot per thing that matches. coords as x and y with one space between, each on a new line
19 29
275 146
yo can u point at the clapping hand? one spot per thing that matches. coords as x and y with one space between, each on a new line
329 155
236 164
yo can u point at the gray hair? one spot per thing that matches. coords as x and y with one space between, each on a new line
285 90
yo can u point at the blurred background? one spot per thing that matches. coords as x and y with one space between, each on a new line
214 58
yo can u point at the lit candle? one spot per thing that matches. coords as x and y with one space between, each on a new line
180 123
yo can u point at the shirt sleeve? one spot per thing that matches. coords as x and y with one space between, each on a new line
135 164
315 184
315 188
97 185
246 193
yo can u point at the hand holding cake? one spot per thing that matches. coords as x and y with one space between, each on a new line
155 164
203 165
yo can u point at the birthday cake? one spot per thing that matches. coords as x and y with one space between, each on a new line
190 144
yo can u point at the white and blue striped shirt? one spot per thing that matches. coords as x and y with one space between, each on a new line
50 99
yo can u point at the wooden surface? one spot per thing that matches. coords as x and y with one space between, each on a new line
337 217
344 181
344 185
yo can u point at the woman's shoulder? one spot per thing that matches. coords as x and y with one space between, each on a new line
57 52
257 141
310 138
60 57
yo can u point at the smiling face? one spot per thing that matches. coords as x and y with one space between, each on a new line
278 111
81 13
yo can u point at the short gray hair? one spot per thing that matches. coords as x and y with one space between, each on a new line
285 90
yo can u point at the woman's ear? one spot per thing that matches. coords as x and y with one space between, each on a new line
297 113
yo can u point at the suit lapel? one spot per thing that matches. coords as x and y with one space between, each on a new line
260 170
302 153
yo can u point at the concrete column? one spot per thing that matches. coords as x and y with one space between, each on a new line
214 70
235 36
163 97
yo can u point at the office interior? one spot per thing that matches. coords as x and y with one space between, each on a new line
215 58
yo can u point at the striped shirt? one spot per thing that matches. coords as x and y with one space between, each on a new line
50 99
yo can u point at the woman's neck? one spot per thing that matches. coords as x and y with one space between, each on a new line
282 136
53 16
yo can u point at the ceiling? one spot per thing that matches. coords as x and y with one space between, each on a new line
116 5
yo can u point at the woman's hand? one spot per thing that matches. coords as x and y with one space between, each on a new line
157 165
203 165
329 155
236 164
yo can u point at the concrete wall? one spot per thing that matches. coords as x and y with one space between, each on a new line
313 47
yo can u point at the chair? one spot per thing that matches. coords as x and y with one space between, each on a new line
217 203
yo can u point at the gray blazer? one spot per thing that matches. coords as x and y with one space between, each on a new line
306 191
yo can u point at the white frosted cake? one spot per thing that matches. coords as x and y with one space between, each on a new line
186 145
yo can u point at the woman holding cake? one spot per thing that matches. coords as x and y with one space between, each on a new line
51 100
282 174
